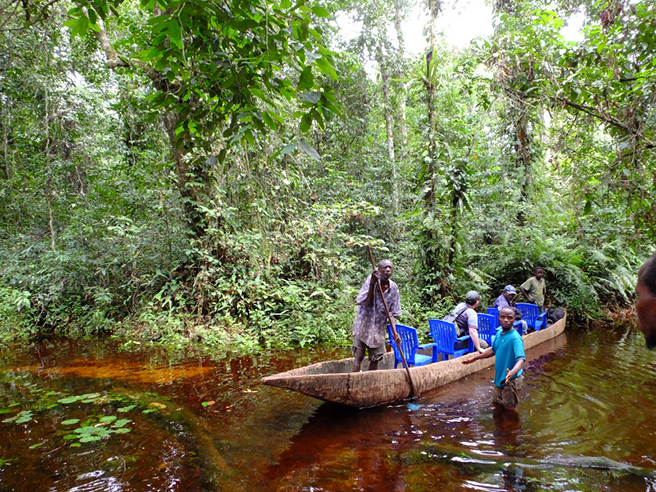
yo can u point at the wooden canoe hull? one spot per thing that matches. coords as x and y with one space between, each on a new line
332 380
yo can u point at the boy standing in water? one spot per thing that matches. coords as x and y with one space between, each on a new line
535 288
508 348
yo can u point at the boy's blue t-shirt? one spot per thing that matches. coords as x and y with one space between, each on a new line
508 348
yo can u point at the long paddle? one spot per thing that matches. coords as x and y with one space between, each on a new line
395 335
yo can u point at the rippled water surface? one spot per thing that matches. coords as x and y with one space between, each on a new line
587 422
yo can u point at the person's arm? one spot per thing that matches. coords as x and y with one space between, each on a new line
528 297
473 333
371 292
485 355
472 325
510 373
397 337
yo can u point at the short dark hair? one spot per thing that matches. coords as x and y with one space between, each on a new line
647 273
538 268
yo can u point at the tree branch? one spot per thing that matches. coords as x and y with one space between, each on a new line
608 119
113 60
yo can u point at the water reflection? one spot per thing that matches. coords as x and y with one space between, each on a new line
587 421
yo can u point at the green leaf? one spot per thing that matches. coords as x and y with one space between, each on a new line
108 418
306 123
288 149
70 421
309 150
90 438
320 11
121 423
306 80
126 409
311 97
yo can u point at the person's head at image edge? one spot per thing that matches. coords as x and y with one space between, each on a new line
646 304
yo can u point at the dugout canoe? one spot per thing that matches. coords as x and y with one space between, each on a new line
332 380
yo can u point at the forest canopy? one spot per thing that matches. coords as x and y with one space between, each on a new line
192 171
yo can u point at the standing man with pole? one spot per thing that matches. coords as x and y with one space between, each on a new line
371 318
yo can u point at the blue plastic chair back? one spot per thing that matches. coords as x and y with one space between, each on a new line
519 326
494 312
487 326
409 345
445 336
531 314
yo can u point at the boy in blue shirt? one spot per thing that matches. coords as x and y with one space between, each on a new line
509 350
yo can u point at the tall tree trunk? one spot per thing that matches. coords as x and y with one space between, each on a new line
382 63
192 181
518 115
429 197
401 108
49 189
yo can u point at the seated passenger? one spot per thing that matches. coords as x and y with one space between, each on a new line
520 325
506 299
466 320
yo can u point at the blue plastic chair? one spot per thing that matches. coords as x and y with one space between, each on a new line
519 326
445 336
494 312
531 314
487 326
410 345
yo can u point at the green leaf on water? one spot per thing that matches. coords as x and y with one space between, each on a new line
108 418
69 399
150 410
84 430
126 409
121 423
34 446
75 445
122 430
70 421
90 438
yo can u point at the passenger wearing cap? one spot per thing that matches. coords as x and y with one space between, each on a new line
466 321
506 299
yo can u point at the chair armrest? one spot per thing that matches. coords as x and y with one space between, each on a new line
433 345
541 322
463 338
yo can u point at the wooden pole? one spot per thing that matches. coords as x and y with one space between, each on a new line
395 335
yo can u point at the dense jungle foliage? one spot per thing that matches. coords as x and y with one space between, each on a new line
211 172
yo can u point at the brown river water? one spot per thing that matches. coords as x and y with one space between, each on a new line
587 423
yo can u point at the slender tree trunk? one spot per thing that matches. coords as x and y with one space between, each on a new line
389 125
5 144
401 108
191 183
429 197
49 189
